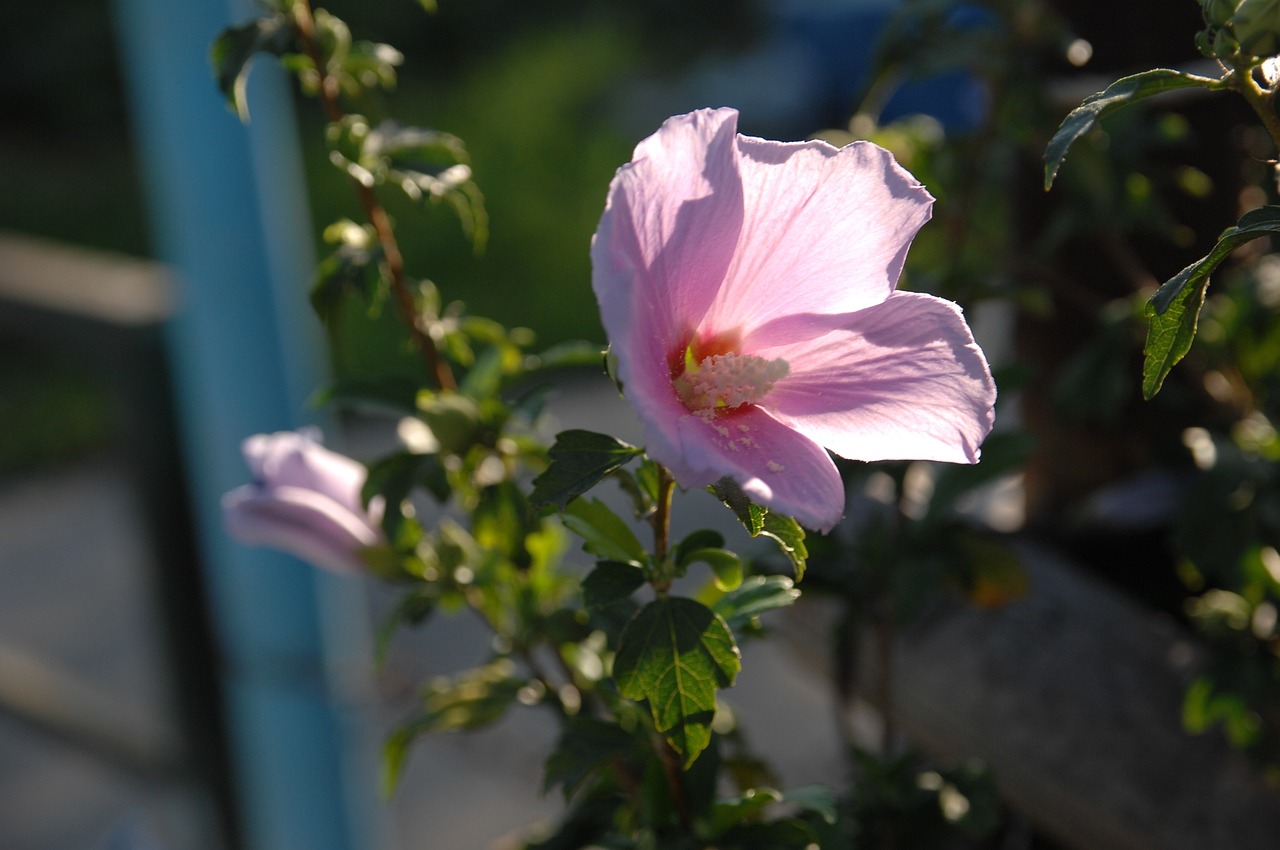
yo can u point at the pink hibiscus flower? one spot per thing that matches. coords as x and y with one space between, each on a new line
748 291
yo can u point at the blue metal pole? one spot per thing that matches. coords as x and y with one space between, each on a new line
228 204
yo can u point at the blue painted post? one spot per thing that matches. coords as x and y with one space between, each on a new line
228 207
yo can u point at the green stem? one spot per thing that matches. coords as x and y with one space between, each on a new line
1262 100
661 522
304 25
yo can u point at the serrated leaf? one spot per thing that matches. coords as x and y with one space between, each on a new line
790 538
579 461
675 654
755 596
748 513
610 582
603 532
1174 311
235 46
1121 93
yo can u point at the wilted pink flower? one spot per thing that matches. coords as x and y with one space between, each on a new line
747 289
305 500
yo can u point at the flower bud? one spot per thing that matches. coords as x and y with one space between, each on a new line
304 500
1256 24
1218 12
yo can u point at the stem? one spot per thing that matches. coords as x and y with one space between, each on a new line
1262 100
661 521
304 25
675 781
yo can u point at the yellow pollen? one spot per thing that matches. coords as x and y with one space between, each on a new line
725 381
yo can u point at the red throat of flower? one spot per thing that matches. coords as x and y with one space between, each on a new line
711 377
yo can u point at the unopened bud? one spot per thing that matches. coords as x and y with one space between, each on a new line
1218 12
1256 25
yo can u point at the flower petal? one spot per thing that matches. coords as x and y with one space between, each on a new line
668 232
301 522
902 380
297 459
825 230
774 465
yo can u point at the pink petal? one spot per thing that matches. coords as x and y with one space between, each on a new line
668 232
902 380
301 522
826 230
297 459
773 464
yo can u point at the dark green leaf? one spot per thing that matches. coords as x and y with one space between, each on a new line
603 532
1120 93
579 461
395 477
1174 311
745 809
610 582
585 745
469 700
748 513
235 46
755 596
675 654
790 538
454 420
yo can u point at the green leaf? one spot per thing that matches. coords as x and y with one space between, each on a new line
790 538
675 653
1174 311
748 513
755 596
702 539
579 461
604 533
725 565
586 745
501 522
1120 93
235 46
609 583
470 700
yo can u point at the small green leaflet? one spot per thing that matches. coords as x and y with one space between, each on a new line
579 461
1122 92
1174 310
755 596
675 653
610 582
758 520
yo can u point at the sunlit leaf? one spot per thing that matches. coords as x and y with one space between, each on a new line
603 532
675 653
748 513
1120 93
790 538
1174 311
755 596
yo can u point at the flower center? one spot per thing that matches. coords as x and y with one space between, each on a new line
725 381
